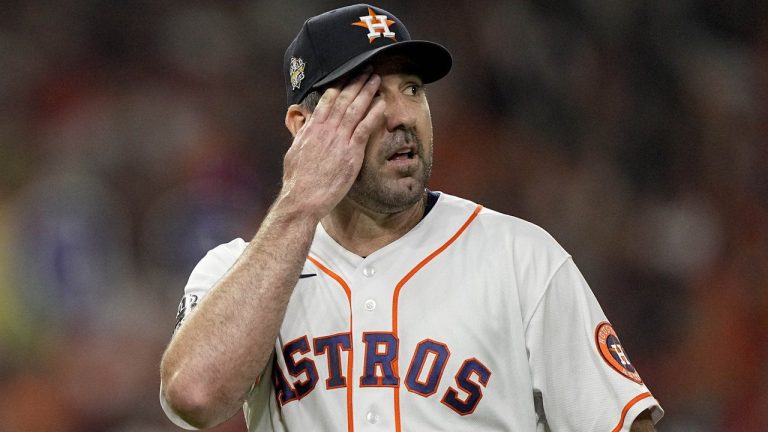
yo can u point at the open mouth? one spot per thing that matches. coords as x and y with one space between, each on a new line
402 155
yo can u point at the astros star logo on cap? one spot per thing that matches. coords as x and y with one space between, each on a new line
378 28
338 42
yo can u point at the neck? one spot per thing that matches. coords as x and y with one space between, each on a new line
362 231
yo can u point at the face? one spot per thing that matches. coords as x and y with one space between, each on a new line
398 157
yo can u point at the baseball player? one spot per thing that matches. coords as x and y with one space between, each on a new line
366 301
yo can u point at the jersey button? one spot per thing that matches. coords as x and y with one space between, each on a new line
371 417
369 271
370 305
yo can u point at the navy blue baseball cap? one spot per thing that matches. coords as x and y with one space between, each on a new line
334 43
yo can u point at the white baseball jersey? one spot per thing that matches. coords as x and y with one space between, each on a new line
472 321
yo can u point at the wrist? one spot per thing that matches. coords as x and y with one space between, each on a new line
296 209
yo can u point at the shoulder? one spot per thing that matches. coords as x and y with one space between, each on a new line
228 251
214 264
502 230
223 255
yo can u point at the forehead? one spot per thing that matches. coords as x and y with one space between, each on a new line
383 64
394 64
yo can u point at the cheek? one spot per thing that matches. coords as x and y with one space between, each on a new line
373 146
424 128
425 121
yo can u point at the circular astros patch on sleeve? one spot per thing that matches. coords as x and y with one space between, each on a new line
610 349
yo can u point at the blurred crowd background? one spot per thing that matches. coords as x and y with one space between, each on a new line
135 135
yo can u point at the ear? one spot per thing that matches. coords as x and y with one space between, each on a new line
295 118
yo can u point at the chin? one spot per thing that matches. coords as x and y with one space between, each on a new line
387 191
396 196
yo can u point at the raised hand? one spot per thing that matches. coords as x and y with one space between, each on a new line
328 151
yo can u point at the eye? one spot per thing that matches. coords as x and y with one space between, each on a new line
413 89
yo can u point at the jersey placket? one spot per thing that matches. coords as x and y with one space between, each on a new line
375 377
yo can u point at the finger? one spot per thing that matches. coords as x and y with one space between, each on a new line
325 103
320 114
360 106
348 94
368 125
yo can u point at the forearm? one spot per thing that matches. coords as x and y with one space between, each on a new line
220 350
217 354
643 423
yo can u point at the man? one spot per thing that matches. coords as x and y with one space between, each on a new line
365 301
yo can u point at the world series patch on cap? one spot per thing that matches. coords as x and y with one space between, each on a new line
337 42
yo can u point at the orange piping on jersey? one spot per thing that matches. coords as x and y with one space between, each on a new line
400 285
350 358
629 405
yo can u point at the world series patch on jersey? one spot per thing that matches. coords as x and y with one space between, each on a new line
472 321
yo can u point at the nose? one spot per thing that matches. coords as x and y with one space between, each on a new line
399 112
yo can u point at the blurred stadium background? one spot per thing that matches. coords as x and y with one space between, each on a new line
136 135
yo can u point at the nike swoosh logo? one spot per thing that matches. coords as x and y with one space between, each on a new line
307 275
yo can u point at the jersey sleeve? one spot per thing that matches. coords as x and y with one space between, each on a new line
582 376
203 277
